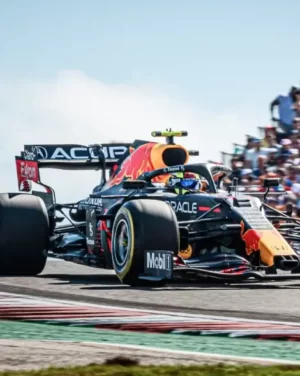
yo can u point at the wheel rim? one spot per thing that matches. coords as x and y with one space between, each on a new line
122 243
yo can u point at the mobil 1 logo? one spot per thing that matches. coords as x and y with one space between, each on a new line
158 264
91 228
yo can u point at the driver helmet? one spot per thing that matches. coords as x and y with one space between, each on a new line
183 182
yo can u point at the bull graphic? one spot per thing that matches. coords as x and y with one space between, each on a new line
251 238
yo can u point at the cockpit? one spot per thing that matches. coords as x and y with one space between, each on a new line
184 182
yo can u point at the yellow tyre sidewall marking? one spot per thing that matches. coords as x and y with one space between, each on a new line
122 273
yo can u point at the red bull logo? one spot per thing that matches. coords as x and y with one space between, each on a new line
135 164
147 157
251 238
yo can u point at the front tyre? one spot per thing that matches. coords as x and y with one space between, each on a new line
140 226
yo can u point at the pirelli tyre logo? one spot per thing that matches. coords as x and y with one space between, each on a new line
158 263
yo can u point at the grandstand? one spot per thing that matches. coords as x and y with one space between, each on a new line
274 152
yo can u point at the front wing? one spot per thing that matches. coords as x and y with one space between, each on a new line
235 275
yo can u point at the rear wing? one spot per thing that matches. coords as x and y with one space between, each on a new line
63 157
69 157
72 156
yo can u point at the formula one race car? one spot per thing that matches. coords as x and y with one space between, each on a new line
156 217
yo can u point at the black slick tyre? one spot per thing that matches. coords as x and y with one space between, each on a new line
139 226
24 234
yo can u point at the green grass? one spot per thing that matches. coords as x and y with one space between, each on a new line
127 367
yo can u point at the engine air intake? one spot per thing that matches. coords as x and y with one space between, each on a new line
174 156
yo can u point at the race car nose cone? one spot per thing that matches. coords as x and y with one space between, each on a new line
272 245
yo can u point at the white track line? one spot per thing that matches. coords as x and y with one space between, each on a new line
157 312
193 353
213 356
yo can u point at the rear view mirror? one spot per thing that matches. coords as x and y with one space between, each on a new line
268 183
134 184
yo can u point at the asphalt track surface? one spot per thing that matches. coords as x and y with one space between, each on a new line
68 281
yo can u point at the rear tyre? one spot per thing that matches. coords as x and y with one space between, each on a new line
24 234
142 225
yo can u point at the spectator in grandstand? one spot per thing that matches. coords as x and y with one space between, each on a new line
296 100
272 159
236 165
249 145
296 124
270 136
285 151
294 93
276 155
246 174
255 158
273 145
294 149
290 177
248 181
286 109
294 137
273 202
283 200
296 192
